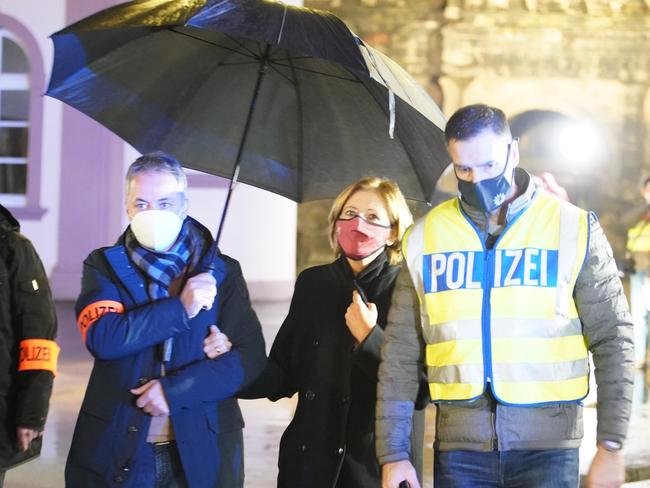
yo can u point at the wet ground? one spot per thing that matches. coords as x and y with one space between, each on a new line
265 421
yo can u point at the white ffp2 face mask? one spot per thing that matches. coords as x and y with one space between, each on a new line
156 229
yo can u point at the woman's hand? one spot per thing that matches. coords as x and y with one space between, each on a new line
216 343
360 318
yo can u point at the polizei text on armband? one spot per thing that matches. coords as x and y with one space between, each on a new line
35 353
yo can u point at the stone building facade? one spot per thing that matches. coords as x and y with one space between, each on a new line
544 62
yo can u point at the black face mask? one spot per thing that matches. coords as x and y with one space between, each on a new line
488 194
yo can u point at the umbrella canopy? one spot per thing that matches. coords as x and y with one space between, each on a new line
288 95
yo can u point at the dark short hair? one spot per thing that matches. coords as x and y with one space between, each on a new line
646 181
157 162
471 120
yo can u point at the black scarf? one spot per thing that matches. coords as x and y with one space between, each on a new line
376 281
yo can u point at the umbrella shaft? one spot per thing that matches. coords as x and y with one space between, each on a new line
242 144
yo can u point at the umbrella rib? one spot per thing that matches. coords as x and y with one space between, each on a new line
264 48
280 73
291 58
233 50
300 189
242 44
316 72
240 63
258 56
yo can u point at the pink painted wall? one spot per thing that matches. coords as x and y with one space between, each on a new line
91 178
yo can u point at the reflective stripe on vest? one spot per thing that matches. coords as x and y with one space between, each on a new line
38 354
504 315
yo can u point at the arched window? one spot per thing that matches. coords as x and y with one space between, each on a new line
14 119
22 83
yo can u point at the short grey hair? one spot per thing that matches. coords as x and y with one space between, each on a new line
157 162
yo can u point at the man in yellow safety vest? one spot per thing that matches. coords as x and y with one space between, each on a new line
504 292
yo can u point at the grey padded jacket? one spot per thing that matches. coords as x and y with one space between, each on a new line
484 424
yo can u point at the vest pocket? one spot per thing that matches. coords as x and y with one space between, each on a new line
551 423
472 423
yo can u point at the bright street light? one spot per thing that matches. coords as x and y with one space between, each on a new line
578 142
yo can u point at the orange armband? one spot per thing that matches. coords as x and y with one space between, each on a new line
93 312
38 354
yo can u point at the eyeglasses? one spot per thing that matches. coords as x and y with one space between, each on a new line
488 170
371 218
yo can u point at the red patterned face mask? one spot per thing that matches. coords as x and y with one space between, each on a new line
359 238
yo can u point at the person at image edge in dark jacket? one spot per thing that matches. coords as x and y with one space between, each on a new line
157 412
327 349
28 354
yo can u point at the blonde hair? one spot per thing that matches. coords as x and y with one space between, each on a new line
398 212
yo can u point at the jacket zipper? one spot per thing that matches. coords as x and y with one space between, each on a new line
485 316
488 274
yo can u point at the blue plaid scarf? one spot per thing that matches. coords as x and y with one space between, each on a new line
161 268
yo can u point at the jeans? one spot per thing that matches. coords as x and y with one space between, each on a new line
554 468
168 468
639 313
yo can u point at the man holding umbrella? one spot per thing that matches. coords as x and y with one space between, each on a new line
506 291
157 411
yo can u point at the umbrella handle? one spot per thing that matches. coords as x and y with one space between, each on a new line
207 261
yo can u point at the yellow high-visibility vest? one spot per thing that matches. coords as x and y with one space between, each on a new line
638 237
504 315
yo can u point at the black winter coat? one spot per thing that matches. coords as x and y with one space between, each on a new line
26 312
330 441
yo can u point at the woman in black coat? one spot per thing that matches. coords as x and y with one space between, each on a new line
327 349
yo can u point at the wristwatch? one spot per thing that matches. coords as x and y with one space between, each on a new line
611 446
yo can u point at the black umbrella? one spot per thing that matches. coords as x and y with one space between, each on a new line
282 98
